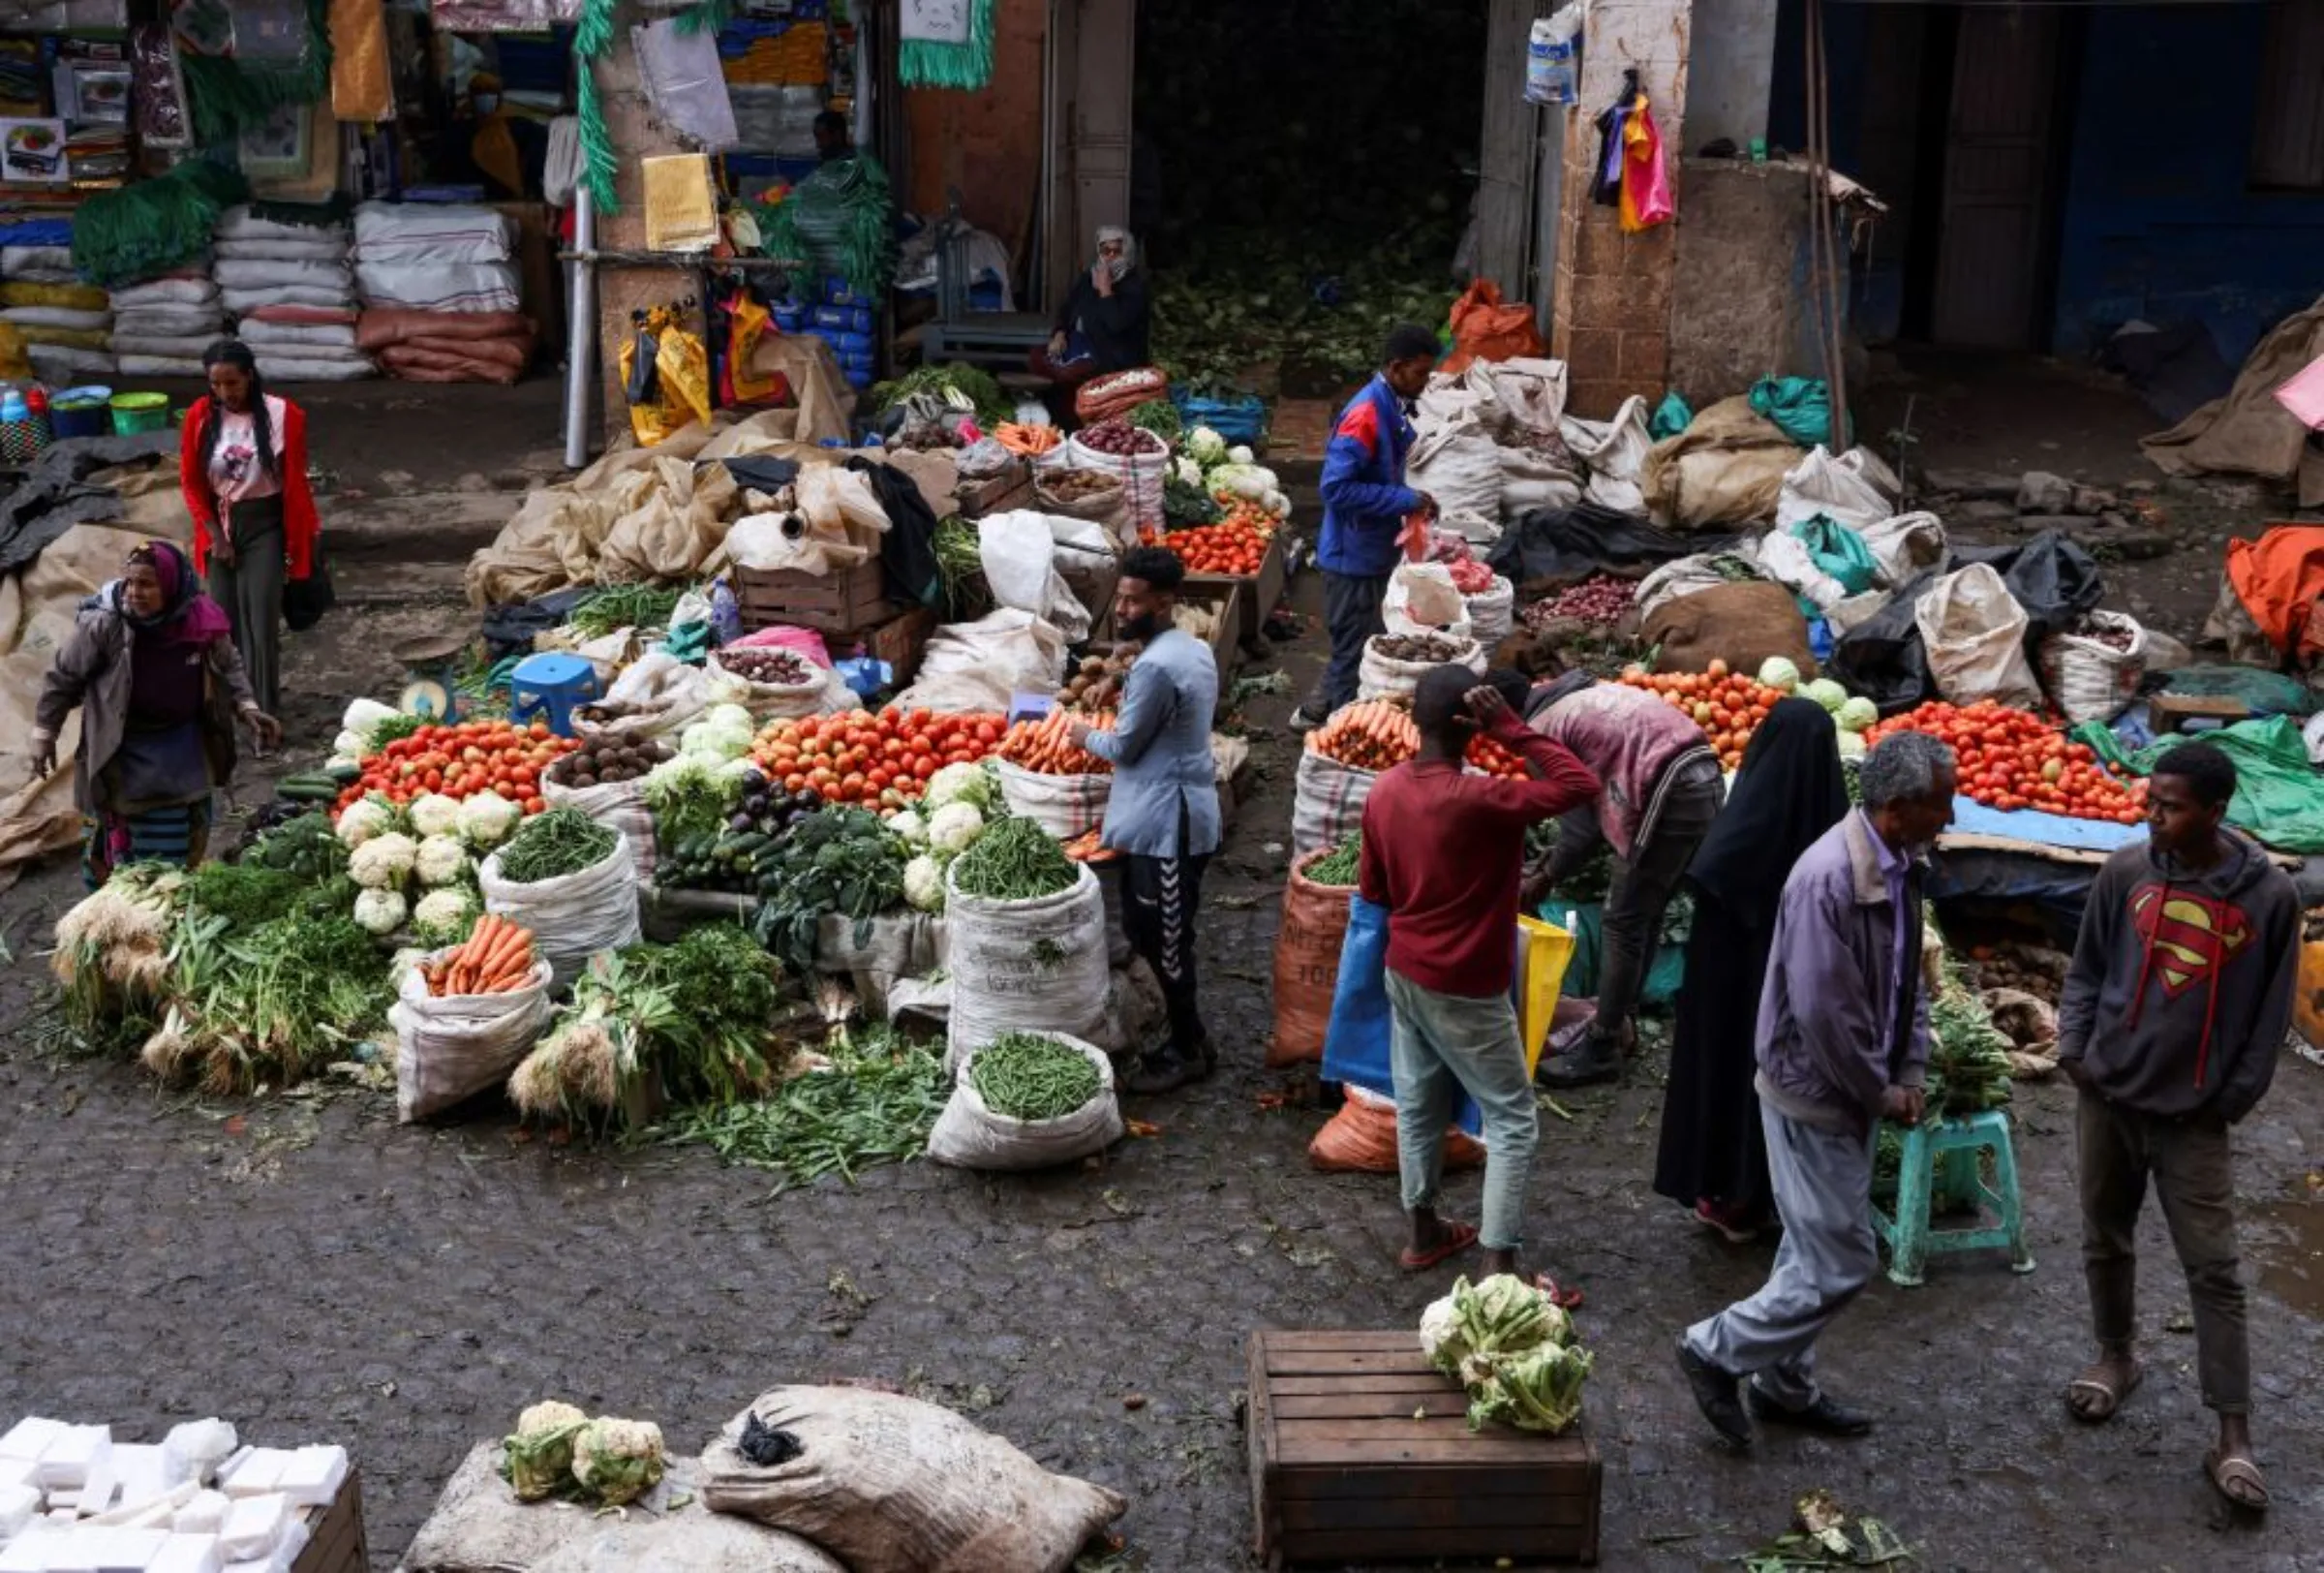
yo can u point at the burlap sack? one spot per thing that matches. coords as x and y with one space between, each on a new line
1315 920
1741 624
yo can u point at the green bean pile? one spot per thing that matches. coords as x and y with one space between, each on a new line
1016 860
553 844
1028 1076
1337 867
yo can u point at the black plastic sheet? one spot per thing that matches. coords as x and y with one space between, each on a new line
1552 547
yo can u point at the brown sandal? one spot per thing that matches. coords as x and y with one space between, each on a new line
2228 1472
2109 1391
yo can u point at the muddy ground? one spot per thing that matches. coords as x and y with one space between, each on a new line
311 1270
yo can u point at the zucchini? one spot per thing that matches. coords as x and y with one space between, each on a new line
346 775
308 789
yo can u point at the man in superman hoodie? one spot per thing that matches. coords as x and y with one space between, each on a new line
2173 1012
1366 502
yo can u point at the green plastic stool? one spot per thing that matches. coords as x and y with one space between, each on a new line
1940 1162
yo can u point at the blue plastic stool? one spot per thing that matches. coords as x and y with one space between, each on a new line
552 686
1941 1161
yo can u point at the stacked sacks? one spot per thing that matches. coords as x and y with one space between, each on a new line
65 325
292 293
441 291
162 325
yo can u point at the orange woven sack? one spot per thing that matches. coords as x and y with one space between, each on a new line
1361 1139
1485 329
1315 920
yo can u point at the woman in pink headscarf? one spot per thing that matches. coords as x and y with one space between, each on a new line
152 668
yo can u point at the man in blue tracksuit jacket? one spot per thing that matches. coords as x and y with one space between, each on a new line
1366 502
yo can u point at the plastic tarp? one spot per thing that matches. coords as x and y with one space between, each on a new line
2279 579
1801 408
2279 796
1973 817
2248 433
2266 693
1550 546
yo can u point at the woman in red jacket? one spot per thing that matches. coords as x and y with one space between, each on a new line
243 467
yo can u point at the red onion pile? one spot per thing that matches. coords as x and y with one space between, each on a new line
1600 599
1122 439
780 668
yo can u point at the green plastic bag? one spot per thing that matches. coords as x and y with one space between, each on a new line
2266 693
1671 417
2279 796
1839 551
1588 928
1801 408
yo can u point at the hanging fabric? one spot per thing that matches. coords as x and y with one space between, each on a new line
1646 200
362 79
945 44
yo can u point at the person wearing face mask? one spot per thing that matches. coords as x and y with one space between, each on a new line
160 689
1104 323
1843 1044
1163 812
1366 502
505 154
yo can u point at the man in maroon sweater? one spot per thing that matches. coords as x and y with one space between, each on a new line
1442 851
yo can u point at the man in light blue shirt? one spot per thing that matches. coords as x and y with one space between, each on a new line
1162 816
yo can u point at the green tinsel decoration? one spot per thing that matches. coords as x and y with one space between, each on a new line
709 16
922 63
224 95
839 220
593 39
150 227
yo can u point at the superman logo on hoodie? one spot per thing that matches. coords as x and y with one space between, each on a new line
2187 934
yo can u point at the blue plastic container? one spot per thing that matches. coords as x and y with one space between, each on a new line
844 319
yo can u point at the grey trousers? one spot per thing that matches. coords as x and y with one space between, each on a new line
1822 1182
251 590
1643 888
1351 616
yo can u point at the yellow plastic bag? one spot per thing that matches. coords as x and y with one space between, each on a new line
1543 951
649 422
685 368
749 325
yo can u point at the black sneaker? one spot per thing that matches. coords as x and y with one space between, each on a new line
1159 1073
1306 720
1715 1394
1590 1060
1827 1416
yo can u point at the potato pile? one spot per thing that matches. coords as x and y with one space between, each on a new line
605 761
1096 683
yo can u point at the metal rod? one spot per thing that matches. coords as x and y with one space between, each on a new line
581 331
687 261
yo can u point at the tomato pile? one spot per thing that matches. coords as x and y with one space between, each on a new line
460 761
1494 759
2009 760
1220 548
1728 707
880 761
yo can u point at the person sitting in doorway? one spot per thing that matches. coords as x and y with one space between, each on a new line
833 142
503 153
1102 327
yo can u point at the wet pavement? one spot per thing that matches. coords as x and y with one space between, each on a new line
310 1269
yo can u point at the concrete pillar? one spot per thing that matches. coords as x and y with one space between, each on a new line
636 136
1732 72
1611 323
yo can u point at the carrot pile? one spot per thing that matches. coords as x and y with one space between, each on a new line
1046 747
497 958
1238 549
1371 735
1088 848
1028 441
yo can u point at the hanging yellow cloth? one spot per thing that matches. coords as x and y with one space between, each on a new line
681 213
362 82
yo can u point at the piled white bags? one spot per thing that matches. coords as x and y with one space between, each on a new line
63 323
162 325
422 257
292 292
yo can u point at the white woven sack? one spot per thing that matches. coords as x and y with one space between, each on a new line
2088 679
970 1134
1034 966
449 1049
574 916
1141 476
1327 801
1064 806
1976 635
1492 612
620 805
771 701
1421 599
1381 677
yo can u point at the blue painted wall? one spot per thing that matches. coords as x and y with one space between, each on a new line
2159 221
2156 218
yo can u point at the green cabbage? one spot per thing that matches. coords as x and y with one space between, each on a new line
1779 672
1858 715
1825 692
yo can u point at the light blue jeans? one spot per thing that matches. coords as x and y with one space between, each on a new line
1439 1046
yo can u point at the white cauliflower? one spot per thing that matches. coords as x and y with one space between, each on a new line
440 860
955 827
910 826
363 819
1187 470
486 818
1206 446
380 911
618 1461
1240 454
433 814
385 861
971 784
924 884
444 917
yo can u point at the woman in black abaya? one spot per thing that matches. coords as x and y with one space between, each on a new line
1713 1157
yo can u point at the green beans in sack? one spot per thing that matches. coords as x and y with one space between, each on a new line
1060 1088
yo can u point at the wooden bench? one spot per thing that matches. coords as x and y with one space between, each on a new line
1361 1452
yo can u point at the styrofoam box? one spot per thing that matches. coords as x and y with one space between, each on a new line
255 1526
313 1476
204 1514
28 1553
68 1460
20 1505
258 1473
188 1554
128 1551
30 1437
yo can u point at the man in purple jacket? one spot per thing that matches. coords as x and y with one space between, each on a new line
1366 502
1844 1043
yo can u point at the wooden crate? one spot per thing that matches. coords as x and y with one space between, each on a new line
900 641
2171 712
841 603
1012 488
1342 1471
1260 593
1227 595
335 1542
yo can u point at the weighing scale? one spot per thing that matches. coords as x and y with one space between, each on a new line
430 694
